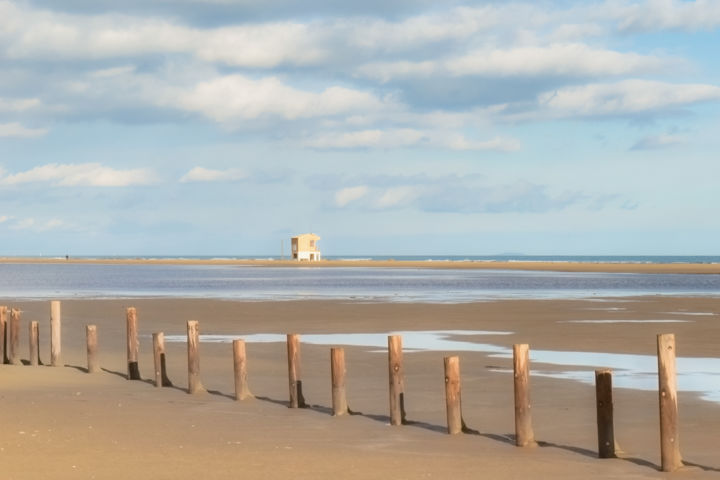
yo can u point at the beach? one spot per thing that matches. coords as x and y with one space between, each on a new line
64 423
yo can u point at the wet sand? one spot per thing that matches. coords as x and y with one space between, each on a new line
64 423
607 267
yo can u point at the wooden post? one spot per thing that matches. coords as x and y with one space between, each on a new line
91 339
397 380
671 459
14 337
34 343
337 377
452 395
133 344
294 378
3 334
523 420
605 423
193 343
242 391
158 347
55 321
161 378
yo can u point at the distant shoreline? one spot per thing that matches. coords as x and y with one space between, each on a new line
552 266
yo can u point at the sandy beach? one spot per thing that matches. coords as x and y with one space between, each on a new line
64 423
607 267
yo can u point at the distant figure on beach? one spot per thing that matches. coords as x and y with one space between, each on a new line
67 257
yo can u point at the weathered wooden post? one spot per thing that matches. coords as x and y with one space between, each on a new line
242 391
3 334
158 351
133 344
452 394
297 400
193 344
92 344
14 340
671 459
160 361
55 338
34 336
605 423
337 377
397 380
523 419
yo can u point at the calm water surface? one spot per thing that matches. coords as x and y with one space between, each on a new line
372 284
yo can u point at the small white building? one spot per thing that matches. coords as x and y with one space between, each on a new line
304 247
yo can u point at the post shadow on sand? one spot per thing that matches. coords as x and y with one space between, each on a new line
508 438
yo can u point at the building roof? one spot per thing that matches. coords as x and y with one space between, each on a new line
316 237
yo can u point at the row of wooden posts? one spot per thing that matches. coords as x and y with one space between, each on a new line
670 449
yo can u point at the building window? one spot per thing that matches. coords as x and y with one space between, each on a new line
312 243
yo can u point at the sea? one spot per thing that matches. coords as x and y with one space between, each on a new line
374 284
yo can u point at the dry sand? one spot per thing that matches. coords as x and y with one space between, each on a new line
609 267
63 423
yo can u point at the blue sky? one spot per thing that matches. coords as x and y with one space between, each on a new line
394 127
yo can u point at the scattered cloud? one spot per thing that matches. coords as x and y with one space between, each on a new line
350 194
398 197
16 130
463 194
237 97
657 15
39 226
654 142
18 104
113 71
407 137
85 174
567 60
202 174
626 97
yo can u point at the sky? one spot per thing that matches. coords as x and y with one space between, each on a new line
224 127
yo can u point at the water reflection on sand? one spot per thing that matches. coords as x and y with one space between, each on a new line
698 375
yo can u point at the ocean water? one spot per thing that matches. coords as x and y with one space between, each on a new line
42 281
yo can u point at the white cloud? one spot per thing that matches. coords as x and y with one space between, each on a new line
32 33
23 224
454 24
4 218
561 59
113 72
625 97
236 97
202 174
262 46
18 104
350 194
664 140
84 174
43 226
498 144
15 130
573 60
408 137
395 138
398 196
653 15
